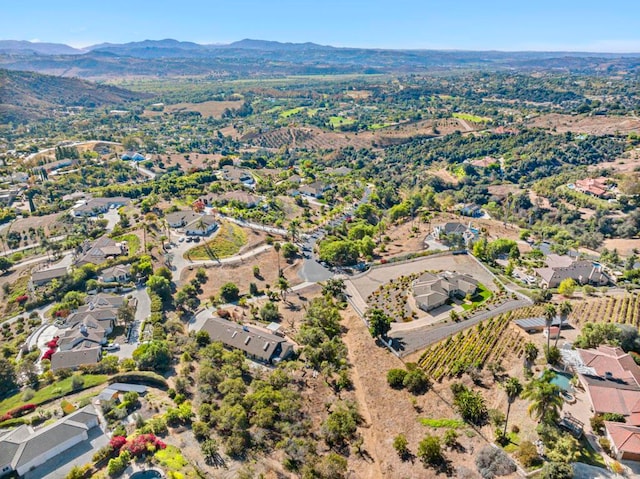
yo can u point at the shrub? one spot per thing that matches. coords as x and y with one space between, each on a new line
67 407
492 462
400 444
527 454
77 382
450 438
416 381
117 442
430 451
605 444
395 378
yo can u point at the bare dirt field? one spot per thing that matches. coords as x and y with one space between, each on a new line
195 160
592 125
207 109
242 274
624 246
389 412
404 240
630 161
49 223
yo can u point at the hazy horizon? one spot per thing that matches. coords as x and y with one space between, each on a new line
547 26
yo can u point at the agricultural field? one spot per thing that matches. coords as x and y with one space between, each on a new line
623 309
489 341
472 118
208 109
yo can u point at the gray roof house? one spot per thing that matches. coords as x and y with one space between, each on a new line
582 272
24 448
203 225
431 291
84 353
119 273
247 199
257 344
315 189
45 276
97 206
99 251
453 228
178 219
238 175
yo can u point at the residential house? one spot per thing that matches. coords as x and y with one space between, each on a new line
593 186
238 175
96 206
134 156
611 379
7 196
581 271
431 291
24 448
45 276
466 233
315 189
99 251
120 273
178 219
471 209
485 162
624 440
247 200
203 225
257 344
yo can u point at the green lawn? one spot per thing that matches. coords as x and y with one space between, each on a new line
438 423
292 111
472 118
480 297
378 126
133 242
227 242
53 391
337 121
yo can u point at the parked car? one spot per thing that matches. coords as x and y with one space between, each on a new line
112 347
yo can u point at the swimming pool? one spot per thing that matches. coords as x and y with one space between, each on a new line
562 380
150 474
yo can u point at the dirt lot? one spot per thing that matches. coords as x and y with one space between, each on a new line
49 223
207 109
389 412
242 274
624 246
592 125
630 161
404 240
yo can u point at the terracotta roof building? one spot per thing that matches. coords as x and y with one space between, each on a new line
624 439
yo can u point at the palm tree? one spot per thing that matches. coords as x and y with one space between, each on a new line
293 230
564 310
513 388
277 246
546 401
530 353
283 285
549 314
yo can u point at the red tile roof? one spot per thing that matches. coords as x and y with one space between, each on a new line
625 438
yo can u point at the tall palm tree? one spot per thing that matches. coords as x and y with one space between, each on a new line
545 398
276 246
530 353
513 388
293 230
283 285
564 310
549 314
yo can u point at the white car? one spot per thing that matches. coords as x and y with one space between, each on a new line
112 347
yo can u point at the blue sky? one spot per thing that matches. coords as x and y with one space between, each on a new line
612 26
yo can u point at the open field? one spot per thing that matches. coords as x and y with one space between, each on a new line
592 125
630 161
207 109
228 241
472 118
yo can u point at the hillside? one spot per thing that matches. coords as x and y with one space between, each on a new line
27 95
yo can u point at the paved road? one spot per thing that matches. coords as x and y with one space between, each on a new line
408 341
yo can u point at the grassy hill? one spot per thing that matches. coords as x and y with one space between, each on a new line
27 95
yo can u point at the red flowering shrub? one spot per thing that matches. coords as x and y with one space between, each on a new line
144 443
22 298
52 344
117 442
18 412
49 352
61 313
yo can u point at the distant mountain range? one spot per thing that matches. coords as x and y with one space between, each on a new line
258 58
